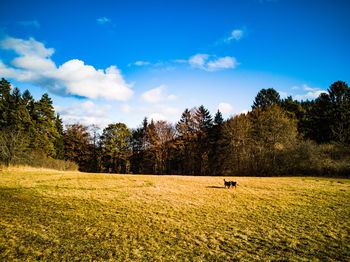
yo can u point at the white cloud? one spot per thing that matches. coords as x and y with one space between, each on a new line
167 110
283 94
125 108
34 23
180 61
310 95
34 65
204 62
103 20
307 88
172 97
226 108
235 34
29 47
222 63
86 113
156 116
198 60
156 95
141 63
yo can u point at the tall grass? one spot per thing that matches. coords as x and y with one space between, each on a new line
39 160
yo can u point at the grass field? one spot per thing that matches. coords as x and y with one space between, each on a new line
55 216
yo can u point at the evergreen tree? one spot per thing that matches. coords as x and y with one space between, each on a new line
339 98
218 120
330 115
203 123
203 119
46 132
59 142
266 97
215 150
186 148
5 95
18 114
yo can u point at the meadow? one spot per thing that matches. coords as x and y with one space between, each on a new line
65 216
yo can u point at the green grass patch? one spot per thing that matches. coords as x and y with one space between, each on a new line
55 216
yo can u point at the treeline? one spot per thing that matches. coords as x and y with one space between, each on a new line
277 137
30 131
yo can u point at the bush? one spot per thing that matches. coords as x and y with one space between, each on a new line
37 159
14 151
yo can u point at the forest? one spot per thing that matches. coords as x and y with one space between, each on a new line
278 137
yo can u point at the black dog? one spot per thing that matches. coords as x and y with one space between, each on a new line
229 184
234 184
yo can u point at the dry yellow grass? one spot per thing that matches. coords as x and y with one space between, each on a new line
77 216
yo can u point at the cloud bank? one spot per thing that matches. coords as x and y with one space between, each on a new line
34 65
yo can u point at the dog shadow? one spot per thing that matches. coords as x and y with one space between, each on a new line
217 187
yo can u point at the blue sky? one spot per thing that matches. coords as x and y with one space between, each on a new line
119 61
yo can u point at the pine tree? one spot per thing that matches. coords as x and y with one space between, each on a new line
215 135
203 124
186 131
5 95
266 97
59 142
46 131
19 117
339 98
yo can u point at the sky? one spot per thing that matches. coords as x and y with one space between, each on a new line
105 62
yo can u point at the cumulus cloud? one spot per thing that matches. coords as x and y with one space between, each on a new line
226 108
167 110
157 116
313 92
74 77
310 95
198 60
29 47
103 20
212 63
156 95
283 94
34 23
172 97
86 113
125 108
